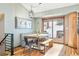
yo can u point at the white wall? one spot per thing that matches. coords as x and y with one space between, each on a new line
10 11
1 26
7 15
20 12
2 46
37 24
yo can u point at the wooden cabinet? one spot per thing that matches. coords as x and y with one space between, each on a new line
72 30
78 33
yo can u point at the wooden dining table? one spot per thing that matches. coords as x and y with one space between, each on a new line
35 37
38 37
32 37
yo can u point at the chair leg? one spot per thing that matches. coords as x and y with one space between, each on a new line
30 52
44 49
24 50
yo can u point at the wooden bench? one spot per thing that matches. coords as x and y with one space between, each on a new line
48 42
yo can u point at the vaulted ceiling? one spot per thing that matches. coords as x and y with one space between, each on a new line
40 7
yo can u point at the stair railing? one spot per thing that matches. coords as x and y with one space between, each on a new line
8 41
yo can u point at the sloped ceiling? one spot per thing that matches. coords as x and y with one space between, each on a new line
37 7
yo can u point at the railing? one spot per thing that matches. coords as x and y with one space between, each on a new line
8 41
3 39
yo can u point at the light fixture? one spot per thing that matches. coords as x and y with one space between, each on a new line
31 12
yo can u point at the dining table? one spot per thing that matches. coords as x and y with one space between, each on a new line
39 37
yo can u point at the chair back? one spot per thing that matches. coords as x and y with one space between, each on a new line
26 41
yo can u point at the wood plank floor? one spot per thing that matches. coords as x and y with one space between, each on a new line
19 51
66 51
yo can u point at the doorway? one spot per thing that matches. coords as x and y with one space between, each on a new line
58 30
2 46
1 25
54 26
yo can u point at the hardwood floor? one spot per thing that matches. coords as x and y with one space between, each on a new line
66 51
19 51
70 51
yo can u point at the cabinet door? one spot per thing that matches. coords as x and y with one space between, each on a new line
72 39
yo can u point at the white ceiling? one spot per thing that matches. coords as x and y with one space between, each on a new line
36 7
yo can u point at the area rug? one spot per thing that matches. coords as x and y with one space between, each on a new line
55 50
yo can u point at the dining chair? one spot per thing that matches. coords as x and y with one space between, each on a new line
28 45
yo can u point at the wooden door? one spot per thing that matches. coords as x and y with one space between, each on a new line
72 32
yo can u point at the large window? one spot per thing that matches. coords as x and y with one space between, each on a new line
58 28
54 27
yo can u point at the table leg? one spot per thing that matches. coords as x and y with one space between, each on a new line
44 49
